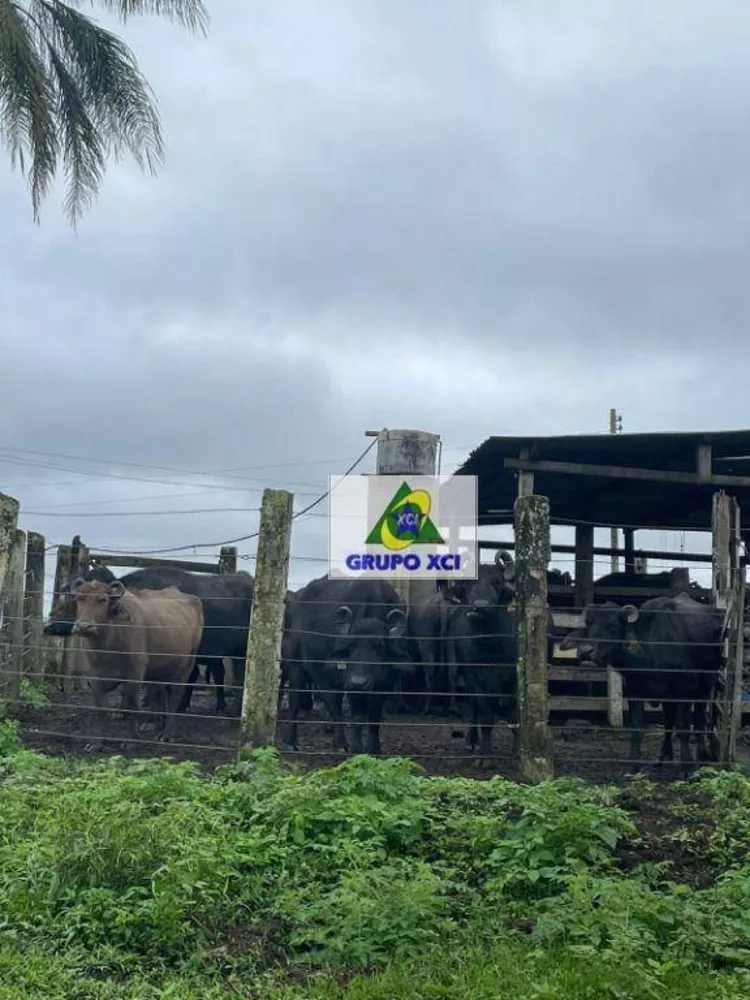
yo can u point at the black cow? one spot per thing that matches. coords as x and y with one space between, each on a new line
226 599
347 638
673 581
559 578
429 629
668 651
431 634
486 653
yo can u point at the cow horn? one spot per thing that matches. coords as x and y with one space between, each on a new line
73 587
343 618
630 613
502 556
396 621
116 588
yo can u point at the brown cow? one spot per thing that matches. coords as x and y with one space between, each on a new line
137 636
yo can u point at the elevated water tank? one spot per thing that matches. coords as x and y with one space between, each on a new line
407 452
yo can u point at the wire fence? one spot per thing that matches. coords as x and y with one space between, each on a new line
433 693
428 718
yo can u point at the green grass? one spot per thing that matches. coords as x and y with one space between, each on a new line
140 879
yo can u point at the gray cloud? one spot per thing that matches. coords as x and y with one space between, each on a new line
496 220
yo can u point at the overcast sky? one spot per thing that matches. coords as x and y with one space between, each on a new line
472 219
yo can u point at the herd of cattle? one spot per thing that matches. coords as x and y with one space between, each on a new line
356 638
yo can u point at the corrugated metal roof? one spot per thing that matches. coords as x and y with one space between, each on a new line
607 501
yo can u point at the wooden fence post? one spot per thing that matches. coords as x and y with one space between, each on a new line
728 585
532 616
33 609
9 508
260 694
12 615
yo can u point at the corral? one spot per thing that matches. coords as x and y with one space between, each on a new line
677 482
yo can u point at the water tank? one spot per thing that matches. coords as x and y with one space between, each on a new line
406 452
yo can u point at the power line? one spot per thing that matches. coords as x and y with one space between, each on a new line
133 479
229 473
254 534
142 513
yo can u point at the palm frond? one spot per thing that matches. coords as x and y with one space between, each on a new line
102 103
71 90
27 103
191 13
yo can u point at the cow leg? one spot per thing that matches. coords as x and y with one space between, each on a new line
187 690
405 703
215 670
367 709
335 707
453 708
358 705
428 654
360 712
298 702
637 727
700 728
238 685
441 683
99 695
375 717
292 738
669 709
485 724
130 704
170 719
430 672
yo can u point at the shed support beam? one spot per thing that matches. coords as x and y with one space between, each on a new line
584 565
625 472
704 461
525 479
629 534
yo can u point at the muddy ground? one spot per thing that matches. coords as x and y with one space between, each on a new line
588 749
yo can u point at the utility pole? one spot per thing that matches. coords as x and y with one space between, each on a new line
615 427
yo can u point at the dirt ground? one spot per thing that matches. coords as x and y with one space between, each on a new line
591 750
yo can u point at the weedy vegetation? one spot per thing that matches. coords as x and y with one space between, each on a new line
133 880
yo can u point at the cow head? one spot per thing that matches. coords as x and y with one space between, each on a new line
493 589
369 647
96 603
62 613
453 591
604 637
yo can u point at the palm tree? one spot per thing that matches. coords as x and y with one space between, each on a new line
71 92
